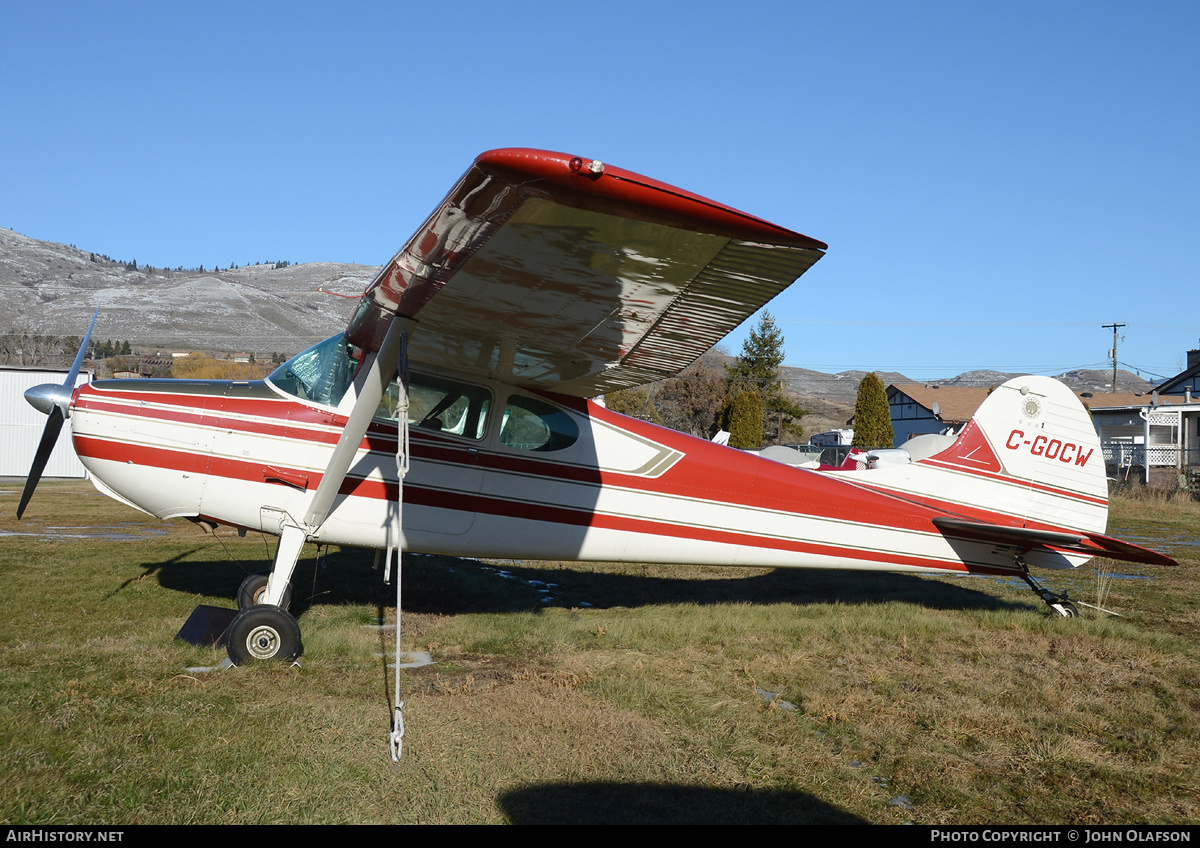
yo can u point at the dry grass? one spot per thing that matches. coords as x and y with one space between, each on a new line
962 695
1138 503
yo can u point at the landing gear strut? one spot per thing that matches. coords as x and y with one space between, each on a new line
1059 603
263 629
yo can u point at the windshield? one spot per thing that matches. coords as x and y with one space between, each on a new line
322 373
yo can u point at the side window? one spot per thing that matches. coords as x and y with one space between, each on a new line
441 405
534 425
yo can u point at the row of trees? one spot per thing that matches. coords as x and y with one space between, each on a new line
107 348
746 397
22 347
132 265
199 366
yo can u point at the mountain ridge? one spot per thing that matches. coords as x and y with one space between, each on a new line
53 289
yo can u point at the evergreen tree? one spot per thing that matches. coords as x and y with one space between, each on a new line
872 416
743 420
757 370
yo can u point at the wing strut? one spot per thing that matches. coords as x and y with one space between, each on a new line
295 534
266 630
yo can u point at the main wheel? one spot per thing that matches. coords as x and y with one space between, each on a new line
250 593
262 633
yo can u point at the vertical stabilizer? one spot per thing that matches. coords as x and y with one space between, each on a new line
1033 451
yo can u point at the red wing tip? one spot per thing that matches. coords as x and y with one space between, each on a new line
572 172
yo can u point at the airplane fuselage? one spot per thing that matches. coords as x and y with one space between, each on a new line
508 473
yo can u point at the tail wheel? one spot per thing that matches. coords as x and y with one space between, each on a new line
262 633
1066 609
251 592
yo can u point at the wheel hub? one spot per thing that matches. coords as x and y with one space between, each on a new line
263 642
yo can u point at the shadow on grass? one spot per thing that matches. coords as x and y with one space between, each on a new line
651 803
448 585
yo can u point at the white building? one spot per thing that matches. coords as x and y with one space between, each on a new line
21 425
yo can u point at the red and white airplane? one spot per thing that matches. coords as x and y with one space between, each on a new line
540 281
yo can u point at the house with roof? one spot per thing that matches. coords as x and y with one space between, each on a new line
917 409
1154 438
1177 411
1186 382
1150 437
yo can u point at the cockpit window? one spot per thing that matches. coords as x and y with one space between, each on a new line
446 406
535 425
322 373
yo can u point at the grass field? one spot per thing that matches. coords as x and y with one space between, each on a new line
618 694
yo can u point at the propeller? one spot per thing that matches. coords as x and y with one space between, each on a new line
54 400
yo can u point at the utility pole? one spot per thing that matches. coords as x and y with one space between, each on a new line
1113 353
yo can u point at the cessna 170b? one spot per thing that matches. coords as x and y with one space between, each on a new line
452 415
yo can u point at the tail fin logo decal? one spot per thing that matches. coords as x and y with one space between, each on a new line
971 451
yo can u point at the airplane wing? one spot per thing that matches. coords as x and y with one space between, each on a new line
560 273
1082 542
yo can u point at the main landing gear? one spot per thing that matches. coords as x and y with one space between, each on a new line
1059 603
261 633
263 629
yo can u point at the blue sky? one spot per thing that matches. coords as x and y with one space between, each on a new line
995 180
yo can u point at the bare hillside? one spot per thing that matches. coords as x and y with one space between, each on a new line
54 289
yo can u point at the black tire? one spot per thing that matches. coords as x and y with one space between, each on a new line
1066 609
263 633
252 589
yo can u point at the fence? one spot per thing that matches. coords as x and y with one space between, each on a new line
1170 466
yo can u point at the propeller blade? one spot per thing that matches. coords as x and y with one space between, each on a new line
54 403
70 381
45 448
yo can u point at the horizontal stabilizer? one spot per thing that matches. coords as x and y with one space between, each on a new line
1116 549
1082 542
